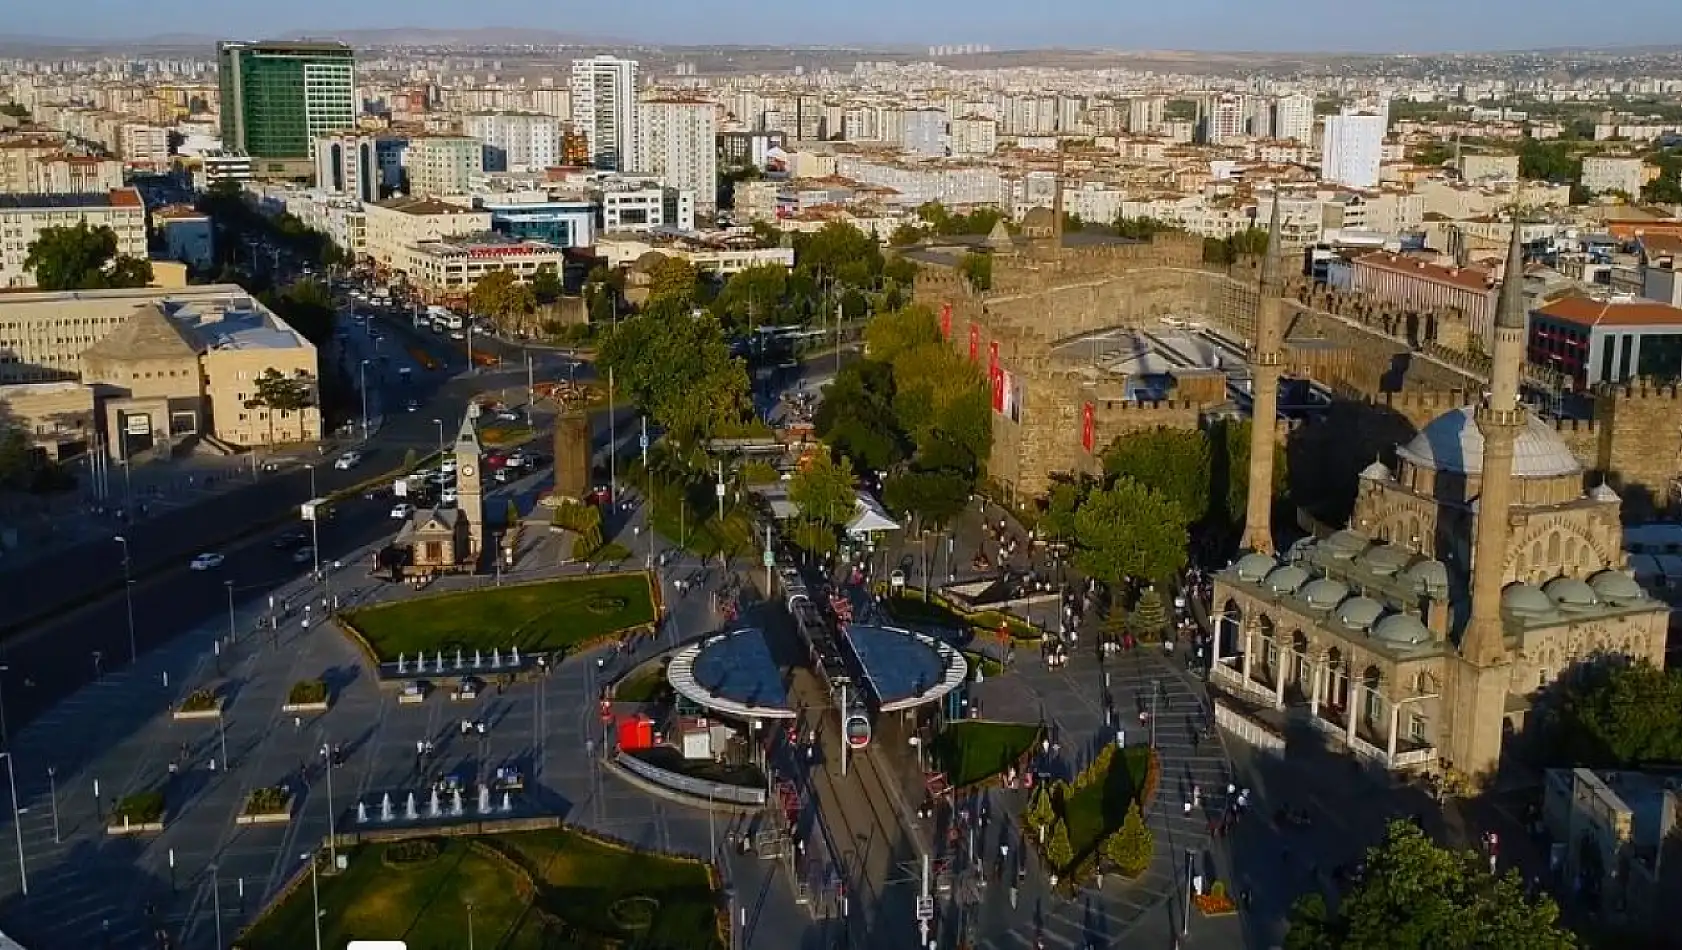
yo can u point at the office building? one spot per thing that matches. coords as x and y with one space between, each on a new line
24 217
1609 173
1598 341
634 204
677 144
441 165
161 365
517 141
563 222
394 224
1352 150
348 165
278 98
1293 118
604 109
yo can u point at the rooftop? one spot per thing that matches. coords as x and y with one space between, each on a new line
1613 313
115 198
1469 278
166 322
418 206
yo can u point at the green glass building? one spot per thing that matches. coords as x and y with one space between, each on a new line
278 98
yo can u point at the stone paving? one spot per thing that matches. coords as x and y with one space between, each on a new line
90 889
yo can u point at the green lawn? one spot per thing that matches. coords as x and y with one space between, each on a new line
586 894
545 617
909 607
1097 810
645 684
973 750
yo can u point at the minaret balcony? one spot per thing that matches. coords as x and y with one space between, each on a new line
1271 359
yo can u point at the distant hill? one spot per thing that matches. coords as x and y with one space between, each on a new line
395 36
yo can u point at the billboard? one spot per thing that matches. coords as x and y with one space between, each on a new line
138 423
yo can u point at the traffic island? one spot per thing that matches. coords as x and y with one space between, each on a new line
307 696
199 704
140 813
266 806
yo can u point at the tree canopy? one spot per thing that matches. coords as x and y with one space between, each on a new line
1615 715
503 298
672 278
80 257
306 306
1130 530
1415 894
677 368
824 489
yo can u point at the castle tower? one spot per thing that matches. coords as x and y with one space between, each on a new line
1266 359
1482 677
470 486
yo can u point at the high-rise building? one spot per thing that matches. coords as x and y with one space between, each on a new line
517 141
1223 121
1352 150
444 165
678 143
604 109
348 165
278 98
1145 114
923 132
1293 118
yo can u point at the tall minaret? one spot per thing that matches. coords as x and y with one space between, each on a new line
1500 419
1265 362
1057 206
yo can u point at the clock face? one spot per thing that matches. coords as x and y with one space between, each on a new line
467 471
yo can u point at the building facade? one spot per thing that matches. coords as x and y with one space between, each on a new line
1608 173
563 222
1424 285
1352 150
348 165
604 109
444 165
278 98
392 225
24 217
1608 341
1293 118
676 143
517 141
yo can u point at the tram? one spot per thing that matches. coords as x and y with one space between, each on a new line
858 726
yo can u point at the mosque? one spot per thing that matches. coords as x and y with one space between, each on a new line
1419 634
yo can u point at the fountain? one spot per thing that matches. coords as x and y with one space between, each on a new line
434 807
409 812
385 807
484 799
402 663
455 804
478 658
496 658
438 665
507 802
514 656
458 658
361 813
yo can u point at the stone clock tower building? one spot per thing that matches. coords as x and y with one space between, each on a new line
470 488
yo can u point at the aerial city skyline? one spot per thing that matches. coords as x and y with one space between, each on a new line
949 476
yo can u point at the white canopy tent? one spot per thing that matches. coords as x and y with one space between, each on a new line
869 518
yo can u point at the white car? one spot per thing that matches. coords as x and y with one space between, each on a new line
207 562
348 460
448 496
403 511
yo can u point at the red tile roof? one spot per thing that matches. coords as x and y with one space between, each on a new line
1617 313
126 198
1467 278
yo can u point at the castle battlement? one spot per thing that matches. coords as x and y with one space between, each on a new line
1409 402
1146 405
1640 389
1575 426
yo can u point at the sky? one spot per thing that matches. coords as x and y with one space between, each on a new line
1260 25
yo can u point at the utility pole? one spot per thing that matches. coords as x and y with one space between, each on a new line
531 388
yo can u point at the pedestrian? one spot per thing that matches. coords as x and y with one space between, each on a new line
297 723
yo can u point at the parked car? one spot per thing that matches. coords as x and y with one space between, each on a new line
207 562
447 466
403 511
348 460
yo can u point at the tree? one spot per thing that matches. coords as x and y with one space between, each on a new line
752 297
678 369
546 285
978 270
1174 462
1042 811
673 278
825 491
1057 521
502 297
18 459
1616 715
905 235
1129 530
1058 852
280 393
891 334
935 497
1132 845
1141 229
307 306
839 253
1150 614
1416 894
81 257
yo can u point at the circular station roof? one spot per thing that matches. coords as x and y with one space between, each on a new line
905 668
732 673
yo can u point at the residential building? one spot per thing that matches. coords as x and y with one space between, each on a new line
24 217
740 149
974 135
517 141
397 223
444 165
449 270
1607 173
1352 150
278 98
1224 119
677 143
1145 114
718 258
144 146
162 365
923 132
1608 341
18 156
218 166
536 216
1488 167
604 109
634 205
1420 284
348 165
75 174
1293 118
187 235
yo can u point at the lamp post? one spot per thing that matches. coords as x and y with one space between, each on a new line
216 903
315 893
128 597
362 379
1191 871
332 832
469 925
230 586
5 737
17 823
52 790
315 523
440 424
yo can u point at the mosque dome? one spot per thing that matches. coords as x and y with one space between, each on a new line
1617 587
1324 593
1287 579
1571 593
1452 443
1402 630
1429 576
1385 559
1254 566
1345 544
1359 613
1526 600
1377 472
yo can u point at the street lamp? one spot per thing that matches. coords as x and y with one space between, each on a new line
17 823
332 834
469 925
440 424
230 586
362 378
216 902
315 893
52 790
128 597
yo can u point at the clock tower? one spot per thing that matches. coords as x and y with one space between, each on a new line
470 490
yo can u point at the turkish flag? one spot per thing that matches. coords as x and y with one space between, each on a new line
998 390
974 342
993 358
946 321
1088 427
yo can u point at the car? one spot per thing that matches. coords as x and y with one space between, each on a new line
447 466
303 555
457 335
501 475
414 405
207 562
506 416
403 511
348 460
448 496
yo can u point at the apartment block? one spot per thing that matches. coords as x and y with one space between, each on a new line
1607 173
517 141
444 165
604 109
677 143
24 217
399 223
